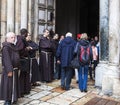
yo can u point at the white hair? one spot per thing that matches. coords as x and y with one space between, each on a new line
9 37
68 34
9 34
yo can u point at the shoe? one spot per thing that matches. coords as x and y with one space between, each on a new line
67 89
91 78
26 93
81 90
63 88
85 91
47 82
14 103
36 84
22 95
7 103
72 87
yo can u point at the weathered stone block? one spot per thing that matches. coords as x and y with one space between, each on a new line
99 73
116 87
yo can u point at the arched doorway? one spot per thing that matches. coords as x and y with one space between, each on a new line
77 16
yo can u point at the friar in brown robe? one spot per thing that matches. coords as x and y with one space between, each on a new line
46 61
10 85
23 49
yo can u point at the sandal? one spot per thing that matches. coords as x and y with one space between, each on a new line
36 84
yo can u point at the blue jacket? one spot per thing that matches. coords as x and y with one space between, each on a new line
65 51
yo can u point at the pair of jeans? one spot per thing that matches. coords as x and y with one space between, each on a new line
83 77
66 76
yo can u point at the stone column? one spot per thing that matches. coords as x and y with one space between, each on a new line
17 16
46 14
54 22
111 80
31 16
101 68
35 34
3 19
10 15
24 12
3 23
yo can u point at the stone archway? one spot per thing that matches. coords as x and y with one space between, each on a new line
77 16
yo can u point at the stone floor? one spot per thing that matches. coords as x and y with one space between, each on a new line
52 94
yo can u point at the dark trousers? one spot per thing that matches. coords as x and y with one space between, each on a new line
66 76
90 72
25 76
57 73
25 83
95 62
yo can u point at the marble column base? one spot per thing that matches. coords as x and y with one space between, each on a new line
111 81
99 73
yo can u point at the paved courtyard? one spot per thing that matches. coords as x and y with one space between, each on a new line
52 94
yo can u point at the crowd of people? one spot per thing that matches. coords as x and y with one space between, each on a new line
22 70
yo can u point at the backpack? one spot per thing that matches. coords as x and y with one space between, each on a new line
84 54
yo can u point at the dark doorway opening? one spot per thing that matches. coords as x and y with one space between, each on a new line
77 16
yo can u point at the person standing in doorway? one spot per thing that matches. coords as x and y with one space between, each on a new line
95 56
64 56
23 48
46 59
58 64
76 70
34 67
55 43
84 50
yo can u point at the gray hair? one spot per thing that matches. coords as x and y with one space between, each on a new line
68 34
9 34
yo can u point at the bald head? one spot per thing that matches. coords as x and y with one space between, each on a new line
10 37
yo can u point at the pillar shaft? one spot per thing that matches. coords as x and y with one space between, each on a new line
17 16
3 19
104 33
114 30
3 13
31 16
104 30
24 7
111 79
10 15
35 34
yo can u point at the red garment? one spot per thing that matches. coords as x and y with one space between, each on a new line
79 35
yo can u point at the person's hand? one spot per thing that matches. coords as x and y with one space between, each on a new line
58 61
29 48
10 74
